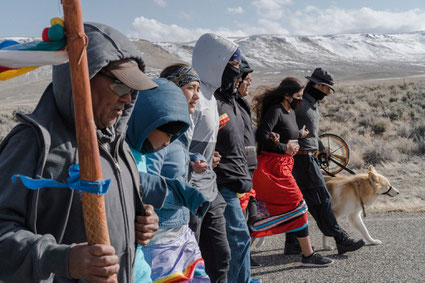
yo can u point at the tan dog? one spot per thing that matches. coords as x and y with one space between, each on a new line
351 195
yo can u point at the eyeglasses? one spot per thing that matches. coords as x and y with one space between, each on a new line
117 86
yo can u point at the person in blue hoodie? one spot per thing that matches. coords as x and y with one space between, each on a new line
156 137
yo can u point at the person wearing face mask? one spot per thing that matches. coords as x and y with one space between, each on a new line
306 169
159 118
273 181
233 175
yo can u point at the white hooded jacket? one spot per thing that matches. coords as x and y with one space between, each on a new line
210 57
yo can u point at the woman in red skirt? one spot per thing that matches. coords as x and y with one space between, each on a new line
273 180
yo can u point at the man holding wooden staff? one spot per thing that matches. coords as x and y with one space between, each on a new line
42 233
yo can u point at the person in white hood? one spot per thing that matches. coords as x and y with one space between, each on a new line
211 55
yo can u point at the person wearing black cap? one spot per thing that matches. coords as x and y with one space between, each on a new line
306 169
42 233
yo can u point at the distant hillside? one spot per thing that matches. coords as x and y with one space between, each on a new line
348 56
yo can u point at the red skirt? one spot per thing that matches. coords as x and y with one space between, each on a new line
276 187
244 199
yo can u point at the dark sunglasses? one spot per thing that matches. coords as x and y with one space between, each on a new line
117 86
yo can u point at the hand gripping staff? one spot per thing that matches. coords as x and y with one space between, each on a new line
88 150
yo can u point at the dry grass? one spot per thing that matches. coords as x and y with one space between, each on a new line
381 123
8 117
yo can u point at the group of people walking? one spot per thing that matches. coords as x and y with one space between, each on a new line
186 165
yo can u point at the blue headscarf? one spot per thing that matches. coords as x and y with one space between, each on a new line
184 76
236 56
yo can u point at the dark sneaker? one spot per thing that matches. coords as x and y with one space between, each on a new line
292 249
255 264
315 260
349 245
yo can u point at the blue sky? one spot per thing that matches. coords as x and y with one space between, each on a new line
186 20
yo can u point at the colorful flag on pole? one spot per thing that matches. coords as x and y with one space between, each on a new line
17 59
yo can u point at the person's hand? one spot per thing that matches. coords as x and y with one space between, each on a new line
274 137
146 226
292 148
216 159
304 132
199 166
96 263
325 151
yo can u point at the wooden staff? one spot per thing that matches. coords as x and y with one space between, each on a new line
88 149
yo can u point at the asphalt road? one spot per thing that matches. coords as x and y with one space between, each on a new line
400 258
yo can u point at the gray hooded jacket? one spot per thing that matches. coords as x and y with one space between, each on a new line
38 227
210 57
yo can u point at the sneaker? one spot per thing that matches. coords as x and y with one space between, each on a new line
255 264
349 245
315 260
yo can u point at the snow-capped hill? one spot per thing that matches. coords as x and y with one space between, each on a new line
302 52
347 56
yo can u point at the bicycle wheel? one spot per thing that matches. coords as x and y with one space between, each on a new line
339 152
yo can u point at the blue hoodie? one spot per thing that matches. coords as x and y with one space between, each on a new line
153 109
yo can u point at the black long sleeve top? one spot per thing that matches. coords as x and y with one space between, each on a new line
276 119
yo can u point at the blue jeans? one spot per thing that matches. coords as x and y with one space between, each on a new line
238 238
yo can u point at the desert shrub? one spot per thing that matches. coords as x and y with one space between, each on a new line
365 120
404 130
356 160
379 126
378 153
420 141
418 130
404 145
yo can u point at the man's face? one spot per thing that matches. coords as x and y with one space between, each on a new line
323 88
243 90
107 104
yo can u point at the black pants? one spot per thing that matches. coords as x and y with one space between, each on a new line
210 232
310 180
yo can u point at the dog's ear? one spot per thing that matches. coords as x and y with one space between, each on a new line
371 168
373 176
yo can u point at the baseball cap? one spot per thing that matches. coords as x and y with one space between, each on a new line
128 72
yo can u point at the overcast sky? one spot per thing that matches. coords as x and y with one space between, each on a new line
186 20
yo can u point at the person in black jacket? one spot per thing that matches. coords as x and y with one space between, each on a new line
232 172
306 169
248 201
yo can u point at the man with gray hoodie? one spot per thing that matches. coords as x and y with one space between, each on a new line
42 234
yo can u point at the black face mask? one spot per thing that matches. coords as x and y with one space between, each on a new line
316 93
295 103
147 147
230 74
